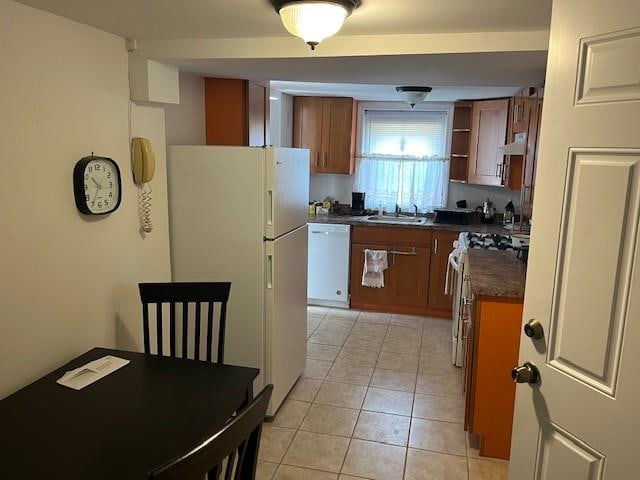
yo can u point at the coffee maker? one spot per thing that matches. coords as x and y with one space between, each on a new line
357 203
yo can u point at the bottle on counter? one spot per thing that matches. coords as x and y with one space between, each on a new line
509 213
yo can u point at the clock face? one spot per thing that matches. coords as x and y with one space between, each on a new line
97 185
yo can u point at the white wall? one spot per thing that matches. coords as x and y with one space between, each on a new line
336 186
281 119
68 282
185 122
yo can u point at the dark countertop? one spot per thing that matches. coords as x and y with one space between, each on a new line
359 221
496 274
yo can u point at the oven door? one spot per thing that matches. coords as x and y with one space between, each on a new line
456 263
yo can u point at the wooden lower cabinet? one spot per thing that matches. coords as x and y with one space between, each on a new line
366 297
492 339
414 281
409 277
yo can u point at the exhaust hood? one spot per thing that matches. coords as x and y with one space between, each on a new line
516 147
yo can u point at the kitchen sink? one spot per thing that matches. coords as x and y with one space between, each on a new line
393 219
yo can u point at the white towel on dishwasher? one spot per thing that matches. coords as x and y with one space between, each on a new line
375 263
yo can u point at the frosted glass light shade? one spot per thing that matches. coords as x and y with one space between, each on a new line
313 21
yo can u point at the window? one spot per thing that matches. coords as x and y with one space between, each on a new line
403 159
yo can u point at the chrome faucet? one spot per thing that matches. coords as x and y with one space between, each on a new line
398 210
415 208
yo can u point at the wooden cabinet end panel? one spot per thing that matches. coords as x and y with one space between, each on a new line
498 330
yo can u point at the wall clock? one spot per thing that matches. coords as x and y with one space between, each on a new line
96 185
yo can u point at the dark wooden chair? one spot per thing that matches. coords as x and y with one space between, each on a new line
233 450
185 293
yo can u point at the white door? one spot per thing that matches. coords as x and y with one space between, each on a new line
286 190
581 421
286 312
328 267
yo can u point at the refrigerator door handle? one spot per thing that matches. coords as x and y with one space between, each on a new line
269 271
269 207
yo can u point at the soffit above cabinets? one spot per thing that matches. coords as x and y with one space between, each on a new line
256 18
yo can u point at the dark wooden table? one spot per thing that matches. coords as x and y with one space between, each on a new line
121 426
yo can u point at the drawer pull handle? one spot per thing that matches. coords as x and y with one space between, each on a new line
411 253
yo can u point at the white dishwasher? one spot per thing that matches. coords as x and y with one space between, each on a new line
328 267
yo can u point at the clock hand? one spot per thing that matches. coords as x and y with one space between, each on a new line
98 188
94 181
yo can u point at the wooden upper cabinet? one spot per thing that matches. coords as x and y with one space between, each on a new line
442 245
307 128
338 135
519 113
488 132
236 112
531 158
326 126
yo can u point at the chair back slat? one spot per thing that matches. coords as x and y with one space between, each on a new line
185 329
221 331
196 347
209 331
239 438
185 293
145 326
159 328
172 328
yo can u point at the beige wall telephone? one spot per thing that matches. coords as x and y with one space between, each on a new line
143 165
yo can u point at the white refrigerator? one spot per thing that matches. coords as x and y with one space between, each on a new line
239 214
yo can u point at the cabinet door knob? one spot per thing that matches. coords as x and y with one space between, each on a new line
526 373
534 329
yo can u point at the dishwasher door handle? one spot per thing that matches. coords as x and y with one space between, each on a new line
331 234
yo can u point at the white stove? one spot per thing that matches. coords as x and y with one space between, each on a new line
458 283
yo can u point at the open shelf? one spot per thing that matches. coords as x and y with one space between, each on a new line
460 139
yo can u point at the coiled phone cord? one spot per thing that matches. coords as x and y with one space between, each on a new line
144 207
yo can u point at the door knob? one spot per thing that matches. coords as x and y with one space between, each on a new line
534 329
527 373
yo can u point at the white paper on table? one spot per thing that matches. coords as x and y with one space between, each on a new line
91 372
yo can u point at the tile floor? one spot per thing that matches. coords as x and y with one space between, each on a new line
379 400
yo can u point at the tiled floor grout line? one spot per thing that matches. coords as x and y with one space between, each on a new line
421 353
413 404
363 400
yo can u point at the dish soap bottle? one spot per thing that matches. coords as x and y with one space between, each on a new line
509 213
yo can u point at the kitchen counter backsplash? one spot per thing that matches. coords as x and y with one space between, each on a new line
429 224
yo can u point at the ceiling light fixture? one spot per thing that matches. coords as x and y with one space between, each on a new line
413 95
314 20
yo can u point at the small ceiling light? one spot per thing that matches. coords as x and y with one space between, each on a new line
314 20
413 95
